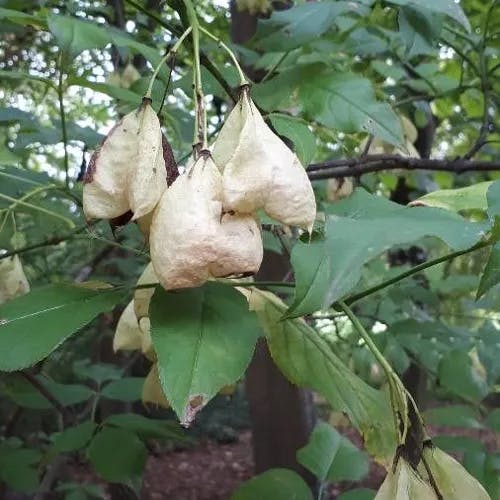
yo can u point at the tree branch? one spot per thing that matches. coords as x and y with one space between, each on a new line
348 167
55 240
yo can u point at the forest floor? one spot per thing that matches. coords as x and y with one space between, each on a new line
212 471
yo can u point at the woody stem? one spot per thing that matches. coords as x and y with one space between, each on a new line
200 111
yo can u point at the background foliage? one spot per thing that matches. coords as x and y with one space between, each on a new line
336 79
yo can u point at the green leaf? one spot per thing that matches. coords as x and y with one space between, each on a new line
300 24
76 35
18 467
457 444
117 455
204 338
25 395
458 375
491 273
33 325
20 75
125 389
346 102
18 17
307 360
357 230
466 198
449 8
8 158
276 91
147 427
275 484
73 438
429 341
113 91
460 416
420 30
298 132
328 455
485 467
358 494
98 372
493 420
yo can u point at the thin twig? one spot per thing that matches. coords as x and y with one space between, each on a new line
347 167
55 240
62 113
414 270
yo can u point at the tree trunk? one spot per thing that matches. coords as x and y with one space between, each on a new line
282 414
415 377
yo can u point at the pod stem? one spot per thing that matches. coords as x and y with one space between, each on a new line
243 80
164 59
199 101
398 394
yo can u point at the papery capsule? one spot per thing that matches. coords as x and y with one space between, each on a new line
142 296
260 171
192 240
403 483
128 335
13 281
152 391
451 479
127 172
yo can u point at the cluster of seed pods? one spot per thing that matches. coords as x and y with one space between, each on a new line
202 224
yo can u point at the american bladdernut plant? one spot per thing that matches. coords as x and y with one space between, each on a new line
203 223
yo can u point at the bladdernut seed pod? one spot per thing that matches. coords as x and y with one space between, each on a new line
260 171
13 281
403 483
127 172
152 391
142 296
450 478
192 240
127 334
132 334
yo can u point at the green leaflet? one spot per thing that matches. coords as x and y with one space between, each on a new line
204 338
308 361
33 325
357 230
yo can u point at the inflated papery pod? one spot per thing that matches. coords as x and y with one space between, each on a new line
142 296
193 240
127 172
127 334
13 281
404 483
451 479
152 391
259 171
130 335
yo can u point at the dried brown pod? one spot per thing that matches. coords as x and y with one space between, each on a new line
259 171
191 238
